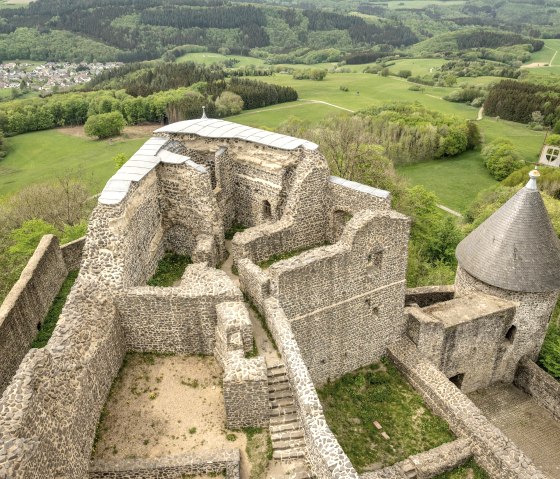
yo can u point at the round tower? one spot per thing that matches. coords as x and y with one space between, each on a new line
515 255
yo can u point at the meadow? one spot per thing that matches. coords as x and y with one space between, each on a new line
456 181
45 155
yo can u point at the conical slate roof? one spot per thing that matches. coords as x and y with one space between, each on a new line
516 248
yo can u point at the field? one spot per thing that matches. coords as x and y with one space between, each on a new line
207 58
456 181
547 53
420 4
44 155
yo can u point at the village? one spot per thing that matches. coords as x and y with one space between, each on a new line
49 76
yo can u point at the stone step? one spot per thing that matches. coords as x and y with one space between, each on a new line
282 419
276 367
279 386
279 437
288 454
283 411
277 379
279 373
301 473
283 393
286 445
282 403
285 427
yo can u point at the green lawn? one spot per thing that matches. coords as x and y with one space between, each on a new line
545 54
456 181
420 4
378 393
44 155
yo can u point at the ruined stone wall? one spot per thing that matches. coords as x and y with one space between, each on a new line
496 453
245 380
326 458
464 337
360 281
179 319
540 385
176 467
531 320
303 222
428 295
27 303
72 253
427 464
189 207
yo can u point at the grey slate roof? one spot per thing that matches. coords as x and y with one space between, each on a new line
212 128
516 248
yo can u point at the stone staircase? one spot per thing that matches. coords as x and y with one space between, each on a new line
288 444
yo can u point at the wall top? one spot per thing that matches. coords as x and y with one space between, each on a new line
220 129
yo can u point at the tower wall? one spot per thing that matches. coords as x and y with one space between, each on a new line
530 321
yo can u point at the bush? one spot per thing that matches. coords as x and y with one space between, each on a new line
501 159
105 125
553 140
229 103
405 73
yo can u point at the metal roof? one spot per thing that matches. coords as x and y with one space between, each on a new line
212 128
516 248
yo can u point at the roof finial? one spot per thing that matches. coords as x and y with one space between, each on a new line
204 117
533 175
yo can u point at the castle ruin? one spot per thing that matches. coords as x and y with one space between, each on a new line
339 304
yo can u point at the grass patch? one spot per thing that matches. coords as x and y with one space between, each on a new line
235 228
254 352
44 155
469 470
281 256
47 328
259 450
170 270
379 393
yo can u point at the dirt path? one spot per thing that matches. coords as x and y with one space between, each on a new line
480 115
450 211
329 104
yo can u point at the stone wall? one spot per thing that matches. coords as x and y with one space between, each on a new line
465 337
428 295
245 380
72 253
175 467
530 321
179 319
538 383
188 205
501 458
345 301
302 222
326 458
27 304
427 464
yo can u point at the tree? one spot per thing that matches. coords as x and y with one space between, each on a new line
501 159
229 103
105 125
405 73
3 147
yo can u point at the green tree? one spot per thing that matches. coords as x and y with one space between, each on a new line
229 103
501 159
3 147
105 125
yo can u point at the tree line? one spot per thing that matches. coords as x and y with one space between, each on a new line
70 109
517 101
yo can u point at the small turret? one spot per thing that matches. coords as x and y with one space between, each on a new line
516 248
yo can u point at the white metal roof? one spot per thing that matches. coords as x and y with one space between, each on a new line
212 128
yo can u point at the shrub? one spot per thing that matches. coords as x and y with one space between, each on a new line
501 159
405 73
553 140
105 125
229 103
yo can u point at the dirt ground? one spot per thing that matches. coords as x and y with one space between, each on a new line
165 405
129 133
